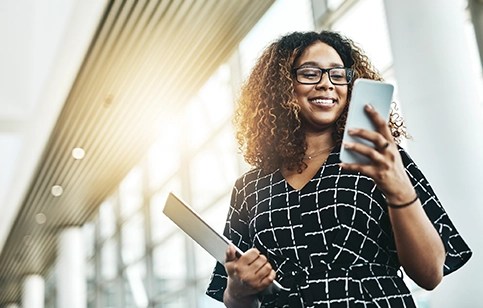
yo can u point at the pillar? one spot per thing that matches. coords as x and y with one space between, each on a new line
476 9
71 276
437 86
33 293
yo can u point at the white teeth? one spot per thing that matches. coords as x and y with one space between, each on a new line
320 101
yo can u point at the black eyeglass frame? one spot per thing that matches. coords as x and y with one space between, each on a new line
349 74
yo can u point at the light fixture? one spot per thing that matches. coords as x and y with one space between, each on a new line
40 218
27 240
78 153
56 190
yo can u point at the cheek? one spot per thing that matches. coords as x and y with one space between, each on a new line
343 96
300 89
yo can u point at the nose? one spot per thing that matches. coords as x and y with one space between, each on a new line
324 82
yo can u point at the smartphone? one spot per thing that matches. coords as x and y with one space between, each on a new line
365 91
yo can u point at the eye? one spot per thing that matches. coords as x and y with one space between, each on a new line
308 73
338 74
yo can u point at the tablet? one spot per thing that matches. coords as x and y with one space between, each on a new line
193 225
365 91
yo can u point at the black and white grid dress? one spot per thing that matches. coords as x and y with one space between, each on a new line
330 242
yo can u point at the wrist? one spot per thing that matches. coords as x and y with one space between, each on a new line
400 194
407 203
237 300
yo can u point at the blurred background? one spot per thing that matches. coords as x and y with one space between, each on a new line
106 106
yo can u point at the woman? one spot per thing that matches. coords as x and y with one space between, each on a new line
331 233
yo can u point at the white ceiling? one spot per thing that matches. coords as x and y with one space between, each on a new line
42 46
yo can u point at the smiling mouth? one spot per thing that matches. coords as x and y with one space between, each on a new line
322 101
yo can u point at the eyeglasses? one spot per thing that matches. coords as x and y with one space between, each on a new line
313 75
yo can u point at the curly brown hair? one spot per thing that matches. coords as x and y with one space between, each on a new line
268 124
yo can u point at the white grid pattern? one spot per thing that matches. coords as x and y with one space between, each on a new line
331 241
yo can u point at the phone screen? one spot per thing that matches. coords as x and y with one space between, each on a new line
365 91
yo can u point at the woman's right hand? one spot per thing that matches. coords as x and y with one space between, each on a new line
248 275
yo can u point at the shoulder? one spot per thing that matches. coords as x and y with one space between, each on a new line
253 182
408 162
252 177
412 169
404 154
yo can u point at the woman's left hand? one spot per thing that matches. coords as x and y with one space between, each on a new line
385 167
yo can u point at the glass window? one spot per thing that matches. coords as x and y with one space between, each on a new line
211 108
89 233
177 301
164 156
107 219
204 263
133 243
365 23
109 259
160 224
169 262
215 216
131 192
135 293
50 289
91 282
214 170
284 16
90 270
111 295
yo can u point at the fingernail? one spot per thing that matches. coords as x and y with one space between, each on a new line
369 107
347 145
351 131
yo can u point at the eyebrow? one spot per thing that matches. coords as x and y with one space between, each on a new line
312 63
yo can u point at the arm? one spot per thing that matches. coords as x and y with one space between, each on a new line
420 249
248 275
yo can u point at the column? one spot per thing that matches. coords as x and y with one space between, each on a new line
438 83
71 269
33 293
186 191
476 9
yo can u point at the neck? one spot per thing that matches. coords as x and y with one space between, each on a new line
312 155
319 141
318 144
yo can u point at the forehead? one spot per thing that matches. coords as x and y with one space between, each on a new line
321 54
